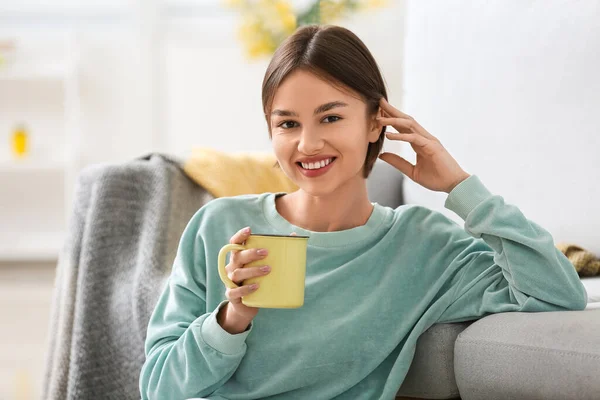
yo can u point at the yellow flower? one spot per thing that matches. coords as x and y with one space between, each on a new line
377 3
277 15
369 4
249 29
259 49
267 22
331 10
235 3
283 7
286 16
289 23
256 38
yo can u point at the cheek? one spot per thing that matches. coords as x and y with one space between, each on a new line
352 138
280 147
276 142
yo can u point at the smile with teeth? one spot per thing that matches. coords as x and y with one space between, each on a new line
317 165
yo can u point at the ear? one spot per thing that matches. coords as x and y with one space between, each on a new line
374 126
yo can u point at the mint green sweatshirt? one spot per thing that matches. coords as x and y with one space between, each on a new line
370 292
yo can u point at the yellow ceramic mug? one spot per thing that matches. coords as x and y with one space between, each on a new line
283 287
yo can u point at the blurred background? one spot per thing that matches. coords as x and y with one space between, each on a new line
510 88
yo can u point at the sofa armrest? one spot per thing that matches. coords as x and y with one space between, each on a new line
547 355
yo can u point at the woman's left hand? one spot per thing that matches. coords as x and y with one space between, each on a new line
435 168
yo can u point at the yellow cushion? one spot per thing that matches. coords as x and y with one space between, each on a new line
231 174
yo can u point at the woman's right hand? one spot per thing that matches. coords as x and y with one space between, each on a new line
237 272
235 316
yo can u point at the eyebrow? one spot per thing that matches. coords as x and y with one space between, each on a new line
321 109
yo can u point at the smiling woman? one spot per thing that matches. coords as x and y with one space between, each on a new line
321 95
376 277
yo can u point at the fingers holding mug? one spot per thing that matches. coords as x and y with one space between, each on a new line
234 273
235 295
236 270
237 239
240 236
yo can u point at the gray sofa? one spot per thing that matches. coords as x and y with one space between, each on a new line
122 239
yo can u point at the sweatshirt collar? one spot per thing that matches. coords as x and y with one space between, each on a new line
323 239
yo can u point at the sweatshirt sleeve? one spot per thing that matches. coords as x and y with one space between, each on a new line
505 263
188 354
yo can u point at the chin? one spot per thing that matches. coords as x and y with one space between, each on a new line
317 189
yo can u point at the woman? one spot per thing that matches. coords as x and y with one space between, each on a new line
376 277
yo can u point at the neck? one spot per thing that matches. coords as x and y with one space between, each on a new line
345 208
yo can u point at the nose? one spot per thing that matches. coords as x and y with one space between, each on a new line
311 141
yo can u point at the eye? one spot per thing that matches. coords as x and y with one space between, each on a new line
281 125
333 116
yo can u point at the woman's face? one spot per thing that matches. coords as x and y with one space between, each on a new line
311 118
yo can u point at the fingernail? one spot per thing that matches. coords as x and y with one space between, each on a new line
266 268
246 229
262 252
254 286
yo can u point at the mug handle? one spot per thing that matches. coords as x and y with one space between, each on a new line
222 254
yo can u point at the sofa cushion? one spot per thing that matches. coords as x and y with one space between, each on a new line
384 185
549 355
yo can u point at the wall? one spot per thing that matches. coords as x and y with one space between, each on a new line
512 90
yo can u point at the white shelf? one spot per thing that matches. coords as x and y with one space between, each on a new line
16 72
28 165
35 246
36 187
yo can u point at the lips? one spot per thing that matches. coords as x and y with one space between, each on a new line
314 162
311 173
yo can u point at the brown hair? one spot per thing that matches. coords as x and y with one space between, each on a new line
337 55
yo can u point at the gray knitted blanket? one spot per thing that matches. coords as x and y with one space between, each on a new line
122 239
